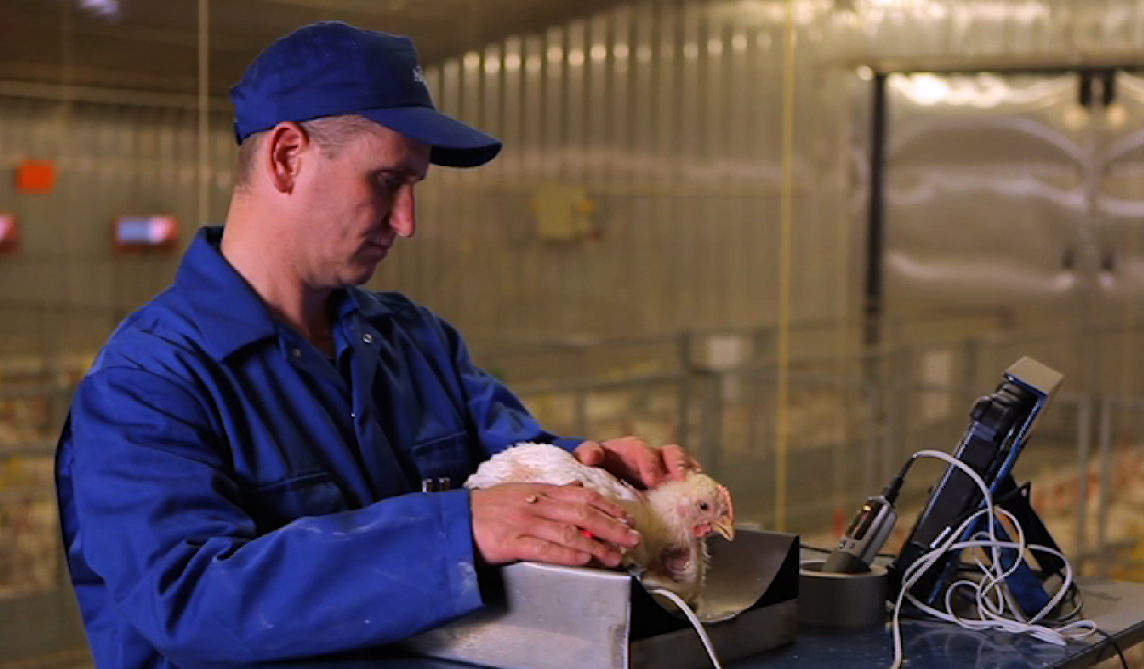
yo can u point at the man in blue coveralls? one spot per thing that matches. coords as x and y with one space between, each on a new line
242 475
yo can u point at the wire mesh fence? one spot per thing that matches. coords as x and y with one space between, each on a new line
803 466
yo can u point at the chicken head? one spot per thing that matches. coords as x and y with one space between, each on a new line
706 508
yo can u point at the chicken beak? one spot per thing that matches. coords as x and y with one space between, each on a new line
725 526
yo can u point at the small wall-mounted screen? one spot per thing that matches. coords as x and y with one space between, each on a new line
9 233
142 232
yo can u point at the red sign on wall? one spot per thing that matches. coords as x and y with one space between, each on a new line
36 176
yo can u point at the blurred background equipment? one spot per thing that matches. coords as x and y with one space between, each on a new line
796 235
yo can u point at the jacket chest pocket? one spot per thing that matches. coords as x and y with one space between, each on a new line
450 455
276 504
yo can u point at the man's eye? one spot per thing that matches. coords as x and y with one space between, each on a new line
390 181
703 506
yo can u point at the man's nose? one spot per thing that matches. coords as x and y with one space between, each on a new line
403 217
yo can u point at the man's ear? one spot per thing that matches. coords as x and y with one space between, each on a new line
282 154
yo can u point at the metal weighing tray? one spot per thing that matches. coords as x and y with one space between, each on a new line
550 617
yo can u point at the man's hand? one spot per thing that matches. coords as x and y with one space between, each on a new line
631 459
548 523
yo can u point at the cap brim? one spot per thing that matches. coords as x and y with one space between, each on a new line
454 143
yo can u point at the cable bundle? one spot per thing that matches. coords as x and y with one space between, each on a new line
989 594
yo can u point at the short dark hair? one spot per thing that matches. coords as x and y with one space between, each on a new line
330 133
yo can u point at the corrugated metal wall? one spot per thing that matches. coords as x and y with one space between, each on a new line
666 113
1060 29
66 287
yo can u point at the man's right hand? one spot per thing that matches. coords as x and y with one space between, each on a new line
547 523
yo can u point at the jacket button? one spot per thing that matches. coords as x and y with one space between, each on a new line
297 353
367 338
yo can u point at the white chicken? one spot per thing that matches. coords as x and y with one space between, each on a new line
674 519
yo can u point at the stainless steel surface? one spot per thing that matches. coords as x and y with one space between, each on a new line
747 635
663 113
1051 30
151 45
107 46
556 617
1005 192
740 572
842 601
551 616
681 161
1118 206
984 192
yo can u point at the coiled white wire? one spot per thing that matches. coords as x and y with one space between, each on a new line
694 622
991 611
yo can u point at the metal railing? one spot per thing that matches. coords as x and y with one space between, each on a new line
853 419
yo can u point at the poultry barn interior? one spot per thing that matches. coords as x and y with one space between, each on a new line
797 237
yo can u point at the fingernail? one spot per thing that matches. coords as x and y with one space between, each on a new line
634 537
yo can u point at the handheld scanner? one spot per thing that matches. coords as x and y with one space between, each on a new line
865 536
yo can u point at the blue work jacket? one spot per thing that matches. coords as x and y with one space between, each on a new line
230 494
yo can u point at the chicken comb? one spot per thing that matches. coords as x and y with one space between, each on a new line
725 495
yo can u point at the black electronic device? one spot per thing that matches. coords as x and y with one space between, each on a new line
1000 427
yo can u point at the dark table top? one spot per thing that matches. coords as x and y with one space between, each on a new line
1116 607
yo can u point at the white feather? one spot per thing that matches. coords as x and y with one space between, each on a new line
544 463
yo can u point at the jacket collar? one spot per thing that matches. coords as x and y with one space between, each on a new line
226 309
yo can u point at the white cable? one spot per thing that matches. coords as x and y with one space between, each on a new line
992 613
694 622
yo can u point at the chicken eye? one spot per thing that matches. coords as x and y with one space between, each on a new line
703 506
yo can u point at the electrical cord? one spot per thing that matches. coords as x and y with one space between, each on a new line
694 620
828 551
1119 653
1074 596
891 493
988 594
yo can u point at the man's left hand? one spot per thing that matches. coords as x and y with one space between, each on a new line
631 459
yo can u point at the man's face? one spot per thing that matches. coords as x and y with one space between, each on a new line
359 200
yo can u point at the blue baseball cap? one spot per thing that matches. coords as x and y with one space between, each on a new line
331 68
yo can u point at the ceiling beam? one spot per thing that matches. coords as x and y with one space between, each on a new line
120 96
136 56
86 75
44 35
372 12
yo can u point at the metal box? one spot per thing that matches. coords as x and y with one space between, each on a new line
551 617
